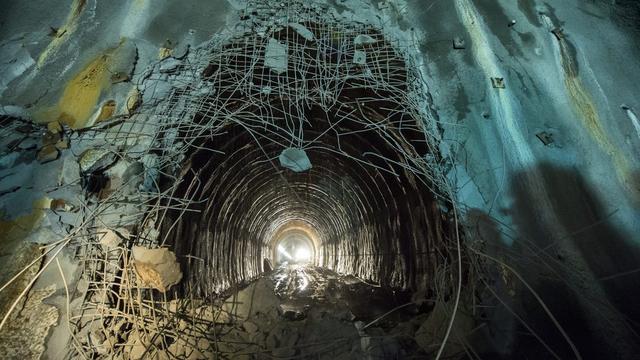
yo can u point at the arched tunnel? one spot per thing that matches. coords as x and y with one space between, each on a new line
319 179
367 217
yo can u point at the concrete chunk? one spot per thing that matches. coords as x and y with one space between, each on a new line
275 56
156 268
295 159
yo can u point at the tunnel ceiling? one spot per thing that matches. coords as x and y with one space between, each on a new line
353 102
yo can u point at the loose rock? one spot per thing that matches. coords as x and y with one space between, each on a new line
157 268
110 239
94 159
47 154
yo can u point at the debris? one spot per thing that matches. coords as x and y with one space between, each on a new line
92 164
295 159
302 30
70 172
95 159
276 56
106 111
545 137
60 205
63 144
29 143
110 239
139 345
133 100
97 337
512 23
498 82
284 352
157 268
359 57
459 43
47 154
364 40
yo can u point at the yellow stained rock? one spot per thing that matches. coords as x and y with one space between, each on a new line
164 53
156 268
63 144
82 93
585 108
133 100
61 34
54 127
107 111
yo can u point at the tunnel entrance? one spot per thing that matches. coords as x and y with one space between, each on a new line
347 99
295 242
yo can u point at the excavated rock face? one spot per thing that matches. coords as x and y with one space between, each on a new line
351 108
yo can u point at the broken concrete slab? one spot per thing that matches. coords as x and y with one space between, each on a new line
156 268
295 159
364 40
276 56
302 30
110 239
47 154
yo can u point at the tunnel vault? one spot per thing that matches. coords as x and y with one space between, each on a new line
353 101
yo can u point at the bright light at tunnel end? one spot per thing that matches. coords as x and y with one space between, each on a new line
303 254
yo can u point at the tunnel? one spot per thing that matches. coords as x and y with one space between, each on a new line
319 179
370 218
366 201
